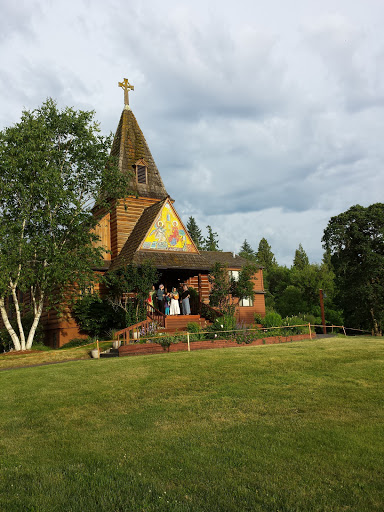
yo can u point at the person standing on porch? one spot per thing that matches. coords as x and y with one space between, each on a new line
152 295
160 298
175 309
167 303
185 301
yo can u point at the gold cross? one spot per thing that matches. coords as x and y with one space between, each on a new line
126 86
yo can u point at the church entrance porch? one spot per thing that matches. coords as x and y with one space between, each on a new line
172 278
176 278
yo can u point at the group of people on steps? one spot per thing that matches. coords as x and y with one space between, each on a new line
168 303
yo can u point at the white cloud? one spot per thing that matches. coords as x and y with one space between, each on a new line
264 118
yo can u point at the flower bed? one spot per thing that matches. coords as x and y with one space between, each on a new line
154 348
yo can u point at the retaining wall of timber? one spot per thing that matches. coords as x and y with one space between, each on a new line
136 349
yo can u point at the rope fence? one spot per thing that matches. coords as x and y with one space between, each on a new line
189 336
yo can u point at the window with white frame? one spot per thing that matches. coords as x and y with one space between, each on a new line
247 301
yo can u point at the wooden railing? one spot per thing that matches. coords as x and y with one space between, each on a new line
155 315
209 312
133 332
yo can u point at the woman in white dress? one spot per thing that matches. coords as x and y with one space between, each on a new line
175 308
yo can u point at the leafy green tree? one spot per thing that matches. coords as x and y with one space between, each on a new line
355 240
264 255
225 287
211 242
276 280
221 286
195 233
291 302
128 288
96 316
247 252
54 168
300 260
243 287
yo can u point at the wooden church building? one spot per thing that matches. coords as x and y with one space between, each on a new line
146 226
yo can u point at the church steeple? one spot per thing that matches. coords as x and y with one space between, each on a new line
134 156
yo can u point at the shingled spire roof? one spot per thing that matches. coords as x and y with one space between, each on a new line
131 149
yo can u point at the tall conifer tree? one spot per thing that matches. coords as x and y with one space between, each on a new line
264 255
247 252
211 242
300 260
195 233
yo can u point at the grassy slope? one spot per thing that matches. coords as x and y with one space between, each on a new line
19 360
293 427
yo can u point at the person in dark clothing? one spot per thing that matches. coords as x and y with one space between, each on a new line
185 301
160 298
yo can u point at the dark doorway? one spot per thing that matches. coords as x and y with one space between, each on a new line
173 278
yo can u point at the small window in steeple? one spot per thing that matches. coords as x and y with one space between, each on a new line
141 172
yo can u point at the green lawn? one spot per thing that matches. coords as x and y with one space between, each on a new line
290 427
47 355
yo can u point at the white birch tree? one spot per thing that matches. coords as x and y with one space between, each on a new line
54 169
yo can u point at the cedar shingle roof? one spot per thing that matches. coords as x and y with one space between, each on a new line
130 147
225 258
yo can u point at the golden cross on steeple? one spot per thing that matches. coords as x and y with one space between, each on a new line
126 86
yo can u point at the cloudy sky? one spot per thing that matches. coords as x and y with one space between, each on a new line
265 118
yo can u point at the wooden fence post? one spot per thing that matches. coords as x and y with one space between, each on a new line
189 346
310 332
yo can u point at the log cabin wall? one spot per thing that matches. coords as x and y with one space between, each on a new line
246 314
203 287
103 231
124 216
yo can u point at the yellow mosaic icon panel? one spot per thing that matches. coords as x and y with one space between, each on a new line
168 233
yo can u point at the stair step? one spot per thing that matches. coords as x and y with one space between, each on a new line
111 352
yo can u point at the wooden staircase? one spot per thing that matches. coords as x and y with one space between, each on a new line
175 323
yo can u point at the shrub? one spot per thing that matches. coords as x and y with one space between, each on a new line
309 319
258 318
95 315
167 340
272 319
245 337
294 320
222 324
194 330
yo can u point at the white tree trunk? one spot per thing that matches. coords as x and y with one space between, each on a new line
38 310
8 326
18 316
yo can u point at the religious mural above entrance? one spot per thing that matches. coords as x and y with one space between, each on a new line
167 233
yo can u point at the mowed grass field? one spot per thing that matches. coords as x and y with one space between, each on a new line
290 427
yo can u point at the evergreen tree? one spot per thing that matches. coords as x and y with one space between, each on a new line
247 252
300 260
264 255
211 242
195 233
